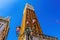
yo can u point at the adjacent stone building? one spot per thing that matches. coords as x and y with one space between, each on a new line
4 27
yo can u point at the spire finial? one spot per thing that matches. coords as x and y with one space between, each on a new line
29 6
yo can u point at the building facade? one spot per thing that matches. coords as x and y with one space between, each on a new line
30 28
4 27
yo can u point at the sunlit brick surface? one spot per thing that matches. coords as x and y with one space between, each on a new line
30 27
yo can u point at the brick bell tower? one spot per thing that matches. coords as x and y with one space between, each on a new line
30 24
4 28
30 28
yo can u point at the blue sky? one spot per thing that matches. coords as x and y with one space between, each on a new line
47 12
